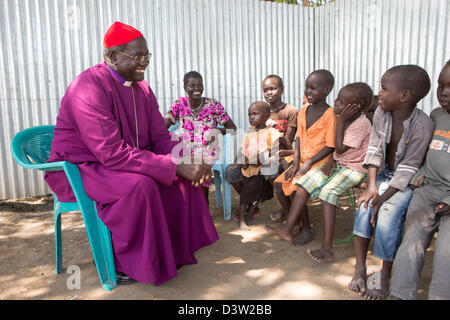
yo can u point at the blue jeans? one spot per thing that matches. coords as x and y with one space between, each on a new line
389 226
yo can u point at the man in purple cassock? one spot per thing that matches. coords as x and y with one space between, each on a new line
110 126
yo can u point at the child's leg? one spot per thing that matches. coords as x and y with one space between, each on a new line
284 200
440 281
233 176
420 225
280 213
243 217
298 204
388 236
363 232
325 253
342 179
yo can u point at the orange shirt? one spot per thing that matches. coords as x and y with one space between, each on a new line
321 134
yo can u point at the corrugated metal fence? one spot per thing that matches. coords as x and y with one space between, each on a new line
233 44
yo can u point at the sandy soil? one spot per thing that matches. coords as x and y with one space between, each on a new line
241 265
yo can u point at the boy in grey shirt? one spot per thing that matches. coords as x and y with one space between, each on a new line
398 143
429 209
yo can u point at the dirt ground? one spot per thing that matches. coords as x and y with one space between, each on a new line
241 265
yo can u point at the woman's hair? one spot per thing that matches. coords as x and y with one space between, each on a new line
191 74
363 94
280 81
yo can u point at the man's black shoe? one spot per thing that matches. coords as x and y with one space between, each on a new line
123 279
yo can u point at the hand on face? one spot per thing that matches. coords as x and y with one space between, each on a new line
350 111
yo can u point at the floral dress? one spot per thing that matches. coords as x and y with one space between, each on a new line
196 129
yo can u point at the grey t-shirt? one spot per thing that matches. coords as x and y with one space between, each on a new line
436 170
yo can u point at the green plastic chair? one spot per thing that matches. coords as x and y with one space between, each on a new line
31 149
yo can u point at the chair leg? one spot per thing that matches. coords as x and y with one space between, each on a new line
218 185
101 246
226 200
99 236
58 243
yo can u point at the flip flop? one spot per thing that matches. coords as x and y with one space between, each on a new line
305 236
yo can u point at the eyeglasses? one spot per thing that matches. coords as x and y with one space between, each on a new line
138 59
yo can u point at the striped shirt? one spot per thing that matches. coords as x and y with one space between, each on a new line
411 149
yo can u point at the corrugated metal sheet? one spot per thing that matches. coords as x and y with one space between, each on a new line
233 44
360 40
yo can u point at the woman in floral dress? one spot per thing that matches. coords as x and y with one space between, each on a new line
198 117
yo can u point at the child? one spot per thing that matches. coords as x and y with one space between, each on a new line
344 169
195 111
260 143
283 117
397 146
316 134
428 210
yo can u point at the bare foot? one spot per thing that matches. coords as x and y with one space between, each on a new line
321 256
305 236
243 221
381 292
358 283
243 226
376 294
284 235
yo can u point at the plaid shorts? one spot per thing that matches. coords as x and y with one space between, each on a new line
329 188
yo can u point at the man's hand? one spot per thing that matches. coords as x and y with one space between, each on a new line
197 173
442 209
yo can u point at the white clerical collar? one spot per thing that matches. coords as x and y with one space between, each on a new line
119 77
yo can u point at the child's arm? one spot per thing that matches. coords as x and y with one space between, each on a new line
378 201
228 126
442 209
329 166
325 151
343 120
292 171
285 148
371 192
290 134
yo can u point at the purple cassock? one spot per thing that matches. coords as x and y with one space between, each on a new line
157 219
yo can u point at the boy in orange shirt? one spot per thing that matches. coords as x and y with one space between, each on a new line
316 131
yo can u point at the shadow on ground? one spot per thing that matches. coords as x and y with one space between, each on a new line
241 265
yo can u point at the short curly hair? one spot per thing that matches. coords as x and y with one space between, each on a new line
191 74
280 81
363 94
